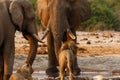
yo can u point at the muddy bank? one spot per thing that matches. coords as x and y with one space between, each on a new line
90 66
109 63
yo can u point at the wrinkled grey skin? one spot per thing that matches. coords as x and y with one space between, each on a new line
15 15
58 16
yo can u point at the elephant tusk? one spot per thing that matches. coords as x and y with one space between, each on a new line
70 34
45 34
37 38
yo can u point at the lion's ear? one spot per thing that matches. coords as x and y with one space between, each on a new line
64 46
16 13
30 68
18 71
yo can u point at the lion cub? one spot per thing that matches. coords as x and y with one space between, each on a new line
66 58
23 73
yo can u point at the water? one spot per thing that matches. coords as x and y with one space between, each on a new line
41 75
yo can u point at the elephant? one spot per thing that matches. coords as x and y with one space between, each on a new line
16 15
61 17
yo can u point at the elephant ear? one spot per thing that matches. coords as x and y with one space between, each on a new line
85 11
43 11
80 11
16 13
28 9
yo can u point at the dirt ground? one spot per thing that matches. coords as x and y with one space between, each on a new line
98 52
90 44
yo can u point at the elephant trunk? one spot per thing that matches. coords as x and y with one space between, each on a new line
33 49
38 39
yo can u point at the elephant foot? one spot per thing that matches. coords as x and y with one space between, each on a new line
6 77
1 77
76 71
1 74
52 72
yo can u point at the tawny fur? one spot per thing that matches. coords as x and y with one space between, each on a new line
23 73
66 58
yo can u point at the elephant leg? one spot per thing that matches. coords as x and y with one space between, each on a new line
52 60
1 65
8 64
58 39
9 54
76 70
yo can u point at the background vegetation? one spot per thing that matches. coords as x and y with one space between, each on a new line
105 15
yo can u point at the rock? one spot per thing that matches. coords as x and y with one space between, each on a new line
88 42
98 77
41 51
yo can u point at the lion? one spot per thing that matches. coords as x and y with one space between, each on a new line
66 58
23 73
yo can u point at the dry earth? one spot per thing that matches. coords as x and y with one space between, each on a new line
98 52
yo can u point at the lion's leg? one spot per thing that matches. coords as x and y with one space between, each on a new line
62 72
62 66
